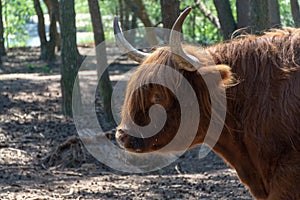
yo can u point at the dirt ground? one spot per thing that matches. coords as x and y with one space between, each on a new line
41 158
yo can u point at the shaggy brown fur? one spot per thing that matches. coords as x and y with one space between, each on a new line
261 136
264 108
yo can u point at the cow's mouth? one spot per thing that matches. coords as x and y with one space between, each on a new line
136 144
129 143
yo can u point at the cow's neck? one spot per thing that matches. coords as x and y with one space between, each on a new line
236 154
231 144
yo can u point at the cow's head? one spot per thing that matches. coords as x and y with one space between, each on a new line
142 91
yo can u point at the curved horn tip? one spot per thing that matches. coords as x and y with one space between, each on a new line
188 9
178 23
175 42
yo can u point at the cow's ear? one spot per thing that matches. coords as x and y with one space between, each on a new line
225 72
217 72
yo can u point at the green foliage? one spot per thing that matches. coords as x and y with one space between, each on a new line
83 22
42 69
197 28
46 69
108 11
153 7
285 13
16 14
81 6
31 67
202 31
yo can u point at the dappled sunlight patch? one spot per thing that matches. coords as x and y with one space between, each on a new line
14 156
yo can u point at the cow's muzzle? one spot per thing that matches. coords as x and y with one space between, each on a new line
128 142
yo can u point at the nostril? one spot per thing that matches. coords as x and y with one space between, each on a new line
122 136
121 131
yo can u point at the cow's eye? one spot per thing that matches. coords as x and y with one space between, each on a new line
157 98
145 87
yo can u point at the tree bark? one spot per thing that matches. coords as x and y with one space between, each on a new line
53 9
53 6
2 45
124 13
121 11
101 56
259 16
242 12
139 9
169 12
50 56
69 54
274 14
41 26
47 47
295 12
126 24
228 25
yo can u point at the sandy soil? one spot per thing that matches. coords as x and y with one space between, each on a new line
41 157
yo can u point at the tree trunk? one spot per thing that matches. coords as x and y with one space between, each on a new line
53 6
53 9
274 14
169 12
2 45
69 55
124 15
47 47
121 12
126 25
41 27
132 25
139 9
259 15
104 82
295 12
242 12
226 19
52 41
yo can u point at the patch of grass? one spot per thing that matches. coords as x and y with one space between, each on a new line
46 69
43 69
31 67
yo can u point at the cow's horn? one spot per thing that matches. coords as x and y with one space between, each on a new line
125 46
175 42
